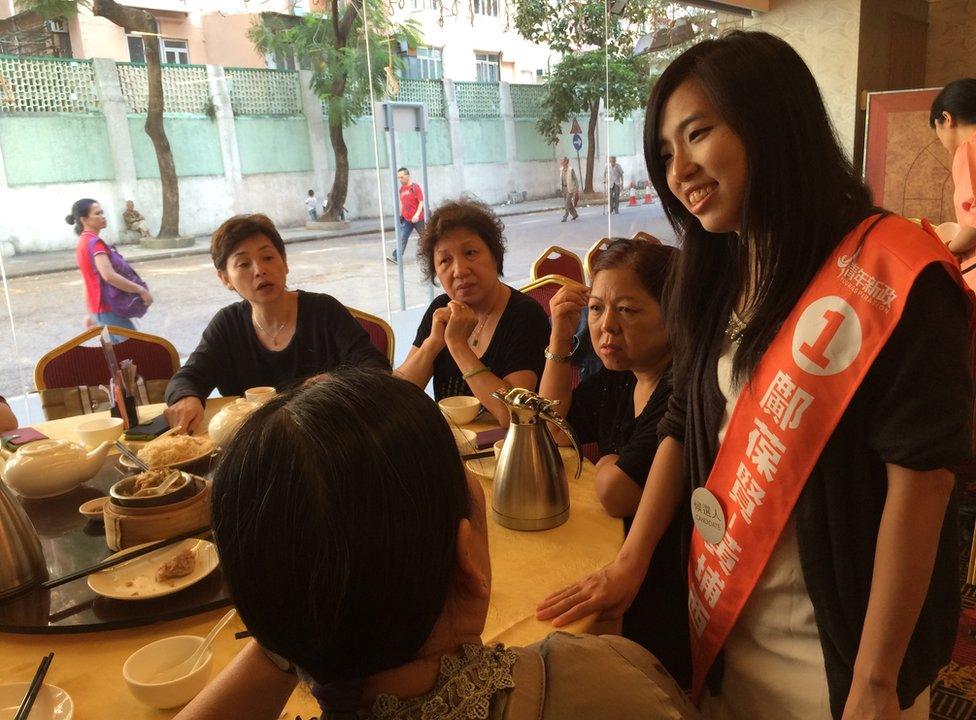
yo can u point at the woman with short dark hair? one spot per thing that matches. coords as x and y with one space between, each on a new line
822 389
272 337
619 407
481 334
356 552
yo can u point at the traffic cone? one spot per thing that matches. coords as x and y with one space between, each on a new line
632 200
647 194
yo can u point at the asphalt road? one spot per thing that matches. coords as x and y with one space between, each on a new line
48 309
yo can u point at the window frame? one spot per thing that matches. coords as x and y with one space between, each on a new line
488 66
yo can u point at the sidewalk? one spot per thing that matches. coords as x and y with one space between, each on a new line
60 260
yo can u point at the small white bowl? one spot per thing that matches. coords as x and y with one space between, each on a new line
93 433
465 439
145 662
497 447
260 394
460 409
52 702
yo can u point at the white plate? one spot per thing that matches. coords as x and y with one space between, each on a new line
52 702
136 580
123 460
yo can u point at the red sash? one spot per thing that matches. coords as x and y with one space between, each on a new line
785 415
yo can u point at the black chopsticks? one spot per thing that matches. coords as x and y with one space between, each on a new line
111 562
34 688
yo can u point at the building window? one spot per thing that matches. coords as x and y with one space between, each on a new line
174 52
486 7
486 65
427 64
134 40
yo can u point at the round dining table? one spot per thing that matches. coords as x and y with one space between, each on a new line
526 566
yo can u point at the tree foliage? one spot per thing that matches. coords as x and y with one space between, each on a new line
345 68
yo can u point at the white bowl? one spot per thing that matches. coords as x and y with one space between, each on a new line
465 439
93 433
497 447
52 702
260 394
460 409
145 662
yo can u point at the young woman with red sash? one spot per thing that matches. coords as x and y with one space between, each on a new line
822 392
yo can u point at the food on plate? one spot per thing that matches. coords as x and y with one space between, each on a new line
174 449
178 566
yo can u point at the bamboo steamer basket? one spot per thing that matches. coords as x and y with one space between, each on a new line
129 526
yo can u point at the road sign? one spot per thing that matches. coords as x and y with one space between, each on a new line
576 129
577 142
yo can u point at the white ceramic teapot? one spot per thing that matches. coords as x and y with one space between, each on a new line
224 424
51 467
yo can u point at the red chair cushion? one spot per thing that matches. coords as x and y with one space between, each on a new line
377 335
564 265
85 365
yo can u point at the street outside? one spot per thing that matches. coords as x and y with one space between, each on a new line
48 309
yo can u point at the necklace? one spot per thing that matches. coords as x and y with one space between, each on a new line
272 335
477 330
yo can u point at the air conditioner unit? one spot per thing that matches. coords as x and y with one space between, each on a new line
57 25
540 72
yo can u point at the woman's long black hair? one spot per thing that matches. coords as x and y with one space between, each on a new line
802 196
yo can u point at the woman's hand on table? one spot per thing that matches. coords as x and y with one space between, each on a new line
565 307
186 413
461 324
609 591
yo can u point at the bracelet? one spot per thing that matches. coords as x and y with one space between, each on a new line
477 371
556 358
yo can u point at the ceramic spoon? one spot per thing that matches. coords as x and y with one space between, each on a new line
190 664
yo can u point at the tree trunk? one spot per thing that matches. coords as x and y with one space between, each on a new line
591 145
141 21
340 182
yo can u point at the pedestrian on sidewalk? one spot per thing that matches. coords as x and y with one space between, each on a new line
312 206
411 212
570 189
114 291
613 177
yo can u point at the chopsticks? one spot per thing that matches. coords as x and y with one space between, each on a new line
478 455
34 688
112 562
131 456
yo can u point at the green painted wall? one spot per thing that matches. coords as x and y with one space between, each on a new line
622 138
359 144
439 151
483 141
194 141
55 148
529 144
273 144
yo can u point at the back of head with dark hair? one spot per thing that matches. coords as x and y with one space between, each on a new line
335 510
958 98
79 210
471 214
802 194
239 228
650 261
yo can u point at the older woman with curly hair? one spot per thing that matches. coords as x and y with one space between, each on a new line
480 334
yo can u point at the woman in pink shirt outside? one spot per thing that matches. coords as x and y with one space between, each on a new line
953 117
88 218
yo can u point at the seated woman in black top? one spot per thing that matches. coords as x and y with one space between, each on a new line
619 407
481 334
273 337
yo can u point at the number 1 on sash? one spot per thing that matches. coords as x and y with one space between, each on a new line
815 353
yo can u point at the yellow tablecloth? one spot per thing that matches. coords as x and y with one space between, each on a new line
525 568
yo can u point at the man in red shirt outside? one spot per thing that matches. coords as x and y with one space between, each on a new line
411 211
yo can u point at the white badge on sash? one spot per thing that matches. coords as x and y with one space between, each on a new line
708 515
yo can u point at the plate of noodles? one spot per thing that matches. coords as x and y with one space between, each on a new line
175 451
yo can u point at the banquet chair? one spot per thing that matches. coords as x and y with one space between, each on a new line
380 333
592 254
74 367
544 288
555 260
641 235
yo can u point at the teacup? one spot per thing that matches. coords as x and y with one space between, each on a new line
260 394
497 447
